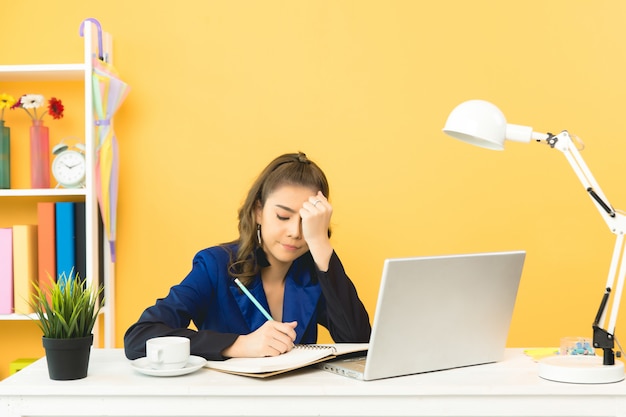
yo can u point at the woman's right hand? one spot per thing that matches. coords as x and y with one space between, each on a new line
272 339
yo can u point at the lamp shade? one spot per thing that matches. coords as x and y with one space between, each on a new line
482 124
479 123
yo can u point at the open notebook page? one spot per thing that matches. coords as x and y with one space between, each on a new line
298 357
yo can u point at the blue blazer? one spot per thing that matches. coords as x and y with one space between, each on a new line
221 312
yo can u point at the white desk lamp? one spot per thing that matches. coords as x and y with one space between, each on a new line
482 124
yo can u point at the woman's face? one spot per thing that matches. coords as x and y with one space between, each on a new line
281 225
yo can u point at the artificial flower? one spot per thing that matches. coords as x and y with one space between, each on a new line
31 102
6 102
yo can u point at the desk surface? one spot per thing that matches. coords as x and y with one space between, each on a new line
112 388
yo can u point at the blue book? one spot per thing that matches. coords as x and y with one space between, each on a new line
65 239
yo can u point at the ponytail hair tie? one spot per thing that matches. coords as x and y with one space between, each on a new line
302 158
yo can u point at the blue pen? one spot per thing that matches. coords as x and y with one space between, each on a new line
254 300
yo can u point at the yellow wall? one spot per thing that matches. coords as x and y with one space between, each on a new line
364 87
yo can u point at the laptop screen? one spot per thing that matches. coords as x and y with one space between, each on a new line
443 312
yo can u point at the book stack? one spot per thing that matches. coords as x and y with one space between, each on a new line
39 253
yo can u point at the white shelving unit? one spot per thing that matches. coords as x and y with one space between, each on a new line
73 72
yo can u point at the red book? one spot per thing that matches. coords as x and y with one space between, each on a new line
46 246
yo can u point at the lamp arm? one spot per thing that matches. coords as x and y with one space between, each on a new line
564 143
602 338
605 338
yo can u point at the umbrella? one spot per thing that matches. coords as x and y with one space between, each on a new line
109 92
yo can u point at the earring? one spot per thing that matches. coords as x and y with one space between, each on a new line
258 233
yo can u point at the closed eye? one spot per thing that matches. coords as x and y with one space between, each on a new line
287 209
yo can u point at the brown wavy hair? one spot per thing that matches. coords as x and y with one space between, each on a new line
288 169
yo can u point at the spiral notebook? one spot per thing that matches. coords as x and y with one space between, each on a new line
299 357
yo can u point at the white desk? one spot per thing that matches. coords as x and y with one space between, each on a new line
113 388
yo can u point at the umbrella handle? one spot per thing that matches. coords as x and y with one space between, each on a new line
99 27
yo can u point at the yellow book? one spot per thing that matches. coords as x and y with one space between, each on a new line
25 266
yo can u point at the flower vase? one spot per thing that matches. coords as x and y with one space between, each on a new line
5 156
39 155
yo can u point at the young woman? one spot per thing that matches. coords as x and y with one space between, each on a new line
284 258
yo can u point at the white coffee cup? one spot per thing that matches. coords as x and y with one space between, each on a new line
168 352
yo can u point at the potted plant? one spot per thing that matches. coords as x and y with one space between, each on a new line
66 311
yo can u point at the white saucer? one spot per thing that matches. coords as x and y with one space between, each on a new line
193 364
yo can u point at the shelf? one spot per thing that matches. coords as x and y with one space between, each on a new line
47 72
18 317
21 203
43 192
33 316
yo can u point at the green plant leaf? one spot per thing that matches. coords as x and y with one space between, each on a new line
68 308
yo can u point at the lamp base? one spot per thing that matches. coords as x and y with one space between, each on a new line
580 369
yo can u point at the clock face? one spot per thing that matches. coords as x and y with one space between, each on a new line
68 168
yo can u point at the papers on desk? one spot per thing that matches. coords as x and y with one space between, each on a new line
299 357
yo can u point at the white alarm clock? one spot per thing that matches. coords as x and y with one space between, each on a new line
69 165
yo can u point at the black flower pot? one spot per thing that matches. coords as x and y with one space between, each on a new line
68 358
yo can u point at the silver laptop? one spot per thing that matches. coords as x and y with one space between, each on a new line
439 312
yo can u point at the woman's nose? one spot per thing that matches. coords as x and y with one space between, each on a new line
295 229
